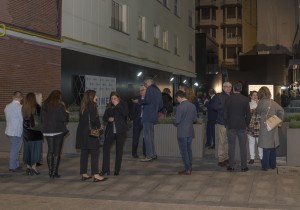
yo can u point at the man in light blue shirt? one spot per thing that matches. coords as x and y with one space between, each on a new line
14 129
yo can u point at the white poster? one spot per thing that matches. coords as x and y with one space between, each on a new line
257 87
103 87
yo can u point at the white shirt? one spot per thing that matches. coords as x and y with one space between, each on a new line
253 104
14 119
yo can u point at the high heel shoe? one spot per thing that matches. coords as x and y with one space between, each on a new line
102 173
100 180
35 172
83 178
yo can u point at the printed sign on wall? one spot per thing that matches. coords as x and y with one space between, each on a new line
103 87
256 87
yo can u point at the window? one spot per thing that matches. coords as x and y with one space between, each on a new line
165 40
191 53
176 44
156 35
205 14
176 7
142 28
231 32
231 12
214 13
231 53
191 19
119 19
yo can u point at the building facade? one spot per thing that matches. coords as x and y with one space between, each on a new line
50 42
231 24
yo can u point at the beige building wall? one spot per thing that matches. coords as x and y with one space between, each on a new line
89 22
277 25
249 25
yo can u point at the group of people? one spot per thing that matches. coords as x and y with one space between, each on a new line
29 120
232 116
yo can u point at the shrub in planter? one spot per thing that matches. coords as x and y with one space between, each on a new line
171 120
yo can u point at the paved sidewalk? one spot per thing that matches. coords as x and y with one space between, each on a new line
153 185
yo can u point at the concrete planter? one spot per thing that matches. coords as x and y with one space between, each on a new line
165 140
69 142
293 147
282 133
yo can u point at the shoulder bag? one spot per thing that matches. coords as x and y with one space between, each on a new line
272 121
94 132
35 122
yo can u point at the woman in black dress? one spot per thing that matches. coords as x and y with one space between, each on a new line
88 118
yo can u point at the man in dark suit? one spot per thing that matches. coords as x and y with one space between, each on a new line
136 116
237 118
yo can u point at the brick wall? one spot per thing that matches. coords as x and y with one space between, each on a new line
42 16
27 66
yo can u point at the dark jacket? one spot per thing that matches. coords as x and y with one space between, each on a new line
83 140
120 114
237 112
219 107
28 134
152 103
212 114
55 120
167 103
135 113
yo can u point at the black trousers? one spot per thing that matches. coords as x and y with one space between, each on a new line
136 132
54 152
120 139
84 157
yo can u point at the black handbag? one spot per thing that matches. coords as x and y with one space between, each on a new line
35 122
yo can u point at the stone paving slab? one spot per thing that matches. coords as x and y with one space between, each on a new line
152 185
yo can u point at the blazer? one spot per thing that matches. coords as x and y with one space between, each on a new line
218 106
152 103
14 119
237 112
120 114
55 120
28 134
83 140
186 115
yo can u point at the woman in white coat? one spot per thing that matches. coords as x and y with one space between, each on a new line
253 130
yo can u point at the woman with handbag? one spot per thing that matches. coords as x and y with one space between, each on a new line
115 116
54 128
268 140
32 135
87 137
